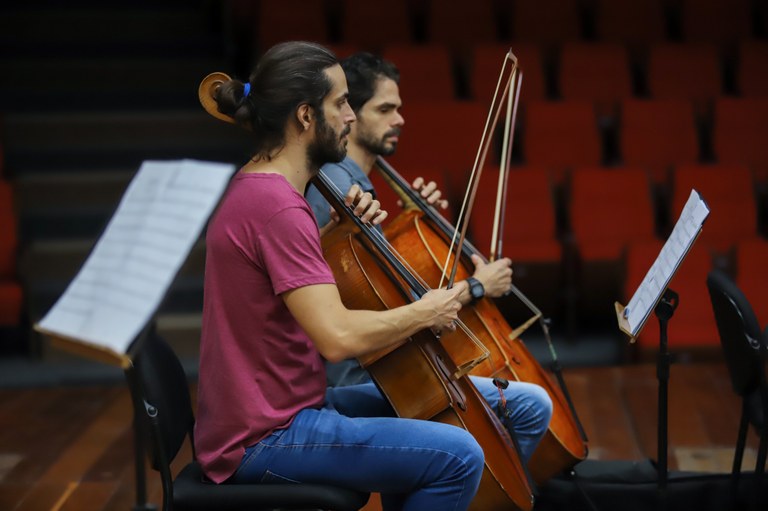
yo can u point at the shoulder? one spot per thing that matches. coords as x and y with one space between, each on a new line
337 171
273 188
258 197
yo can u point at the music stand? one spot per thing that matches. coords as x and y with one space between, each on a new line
109 306
653 294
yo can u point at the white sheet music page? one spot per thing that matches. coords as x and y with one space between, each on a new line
129 270
657 279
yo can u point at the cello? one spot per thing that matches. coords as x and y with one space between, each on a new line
418 376
422 236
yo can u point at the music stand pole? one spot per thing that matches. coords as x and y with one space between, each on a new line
139 433
664 311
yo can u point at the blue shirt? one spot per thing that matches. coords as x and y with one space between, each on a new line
343 174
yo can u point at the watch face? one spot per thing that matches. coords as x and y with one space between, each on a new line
476 290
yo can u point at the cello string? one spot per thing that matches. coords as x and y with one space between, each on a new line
396 180
377 236
375 233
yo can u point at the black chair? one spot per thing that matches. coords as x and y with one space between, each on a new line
159 386
744 347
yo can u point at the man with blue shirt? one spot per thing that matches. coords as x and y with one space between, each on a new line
375 98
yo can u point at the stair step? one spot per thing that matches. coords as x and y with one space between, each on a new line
102 24
88 141
44 83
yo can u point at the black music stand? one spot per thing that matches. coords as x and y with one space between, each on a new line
654 292
664 310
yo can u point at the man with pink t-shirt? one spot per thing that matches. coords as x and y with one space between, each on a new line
272 312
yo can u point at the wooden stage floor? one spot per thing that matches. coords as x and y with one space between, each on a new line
70 448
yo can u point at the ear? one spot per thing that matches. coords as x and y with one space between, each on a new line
304 115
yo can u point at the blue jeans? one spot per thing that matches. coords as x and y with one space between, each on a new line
356 442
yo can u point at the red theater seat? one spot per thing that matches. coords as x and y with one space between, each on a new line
8 237
561 135
609 208
752 69
722 22
740 133
11 300
10 290
596 72
635 24
426 72
685 71
459 24
548 23
442 135
728 191
368 25
289 20
486 66
657 134
529 238
529 222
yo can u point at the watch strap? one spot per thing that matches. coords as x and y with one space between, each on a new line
474 285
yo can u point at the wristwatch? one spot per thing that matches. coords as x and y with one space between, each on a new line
476 289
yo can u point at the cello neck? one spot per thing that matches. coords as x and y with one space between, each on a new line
409 197
334 197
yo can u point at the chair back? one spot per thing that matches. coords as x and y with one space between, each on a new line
740 333
164 387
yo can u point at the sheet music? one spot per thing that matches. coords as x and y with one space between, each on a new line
656 280
128 272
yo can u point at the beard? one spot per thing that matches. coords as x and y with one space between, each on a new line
378 146
328 146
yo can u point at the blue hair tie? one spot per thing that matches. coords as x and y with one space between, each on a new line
246 89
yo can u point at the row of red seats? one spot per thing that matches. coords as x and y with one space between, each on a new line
613 240
654 135
597 72
461 22
10 288
607 208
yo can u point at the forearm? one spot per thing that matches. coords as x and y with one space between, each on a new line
340 333
361 331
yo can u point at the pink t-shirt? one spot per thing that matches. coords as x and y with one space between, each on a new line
258 368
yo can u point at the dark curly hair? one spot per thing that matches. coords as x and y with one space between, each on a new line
363 70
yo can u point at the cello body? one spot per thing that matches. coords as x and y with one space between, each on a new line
420 379
425 247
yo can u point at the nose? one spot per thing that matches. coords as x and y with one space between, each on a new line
348 114
399 119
